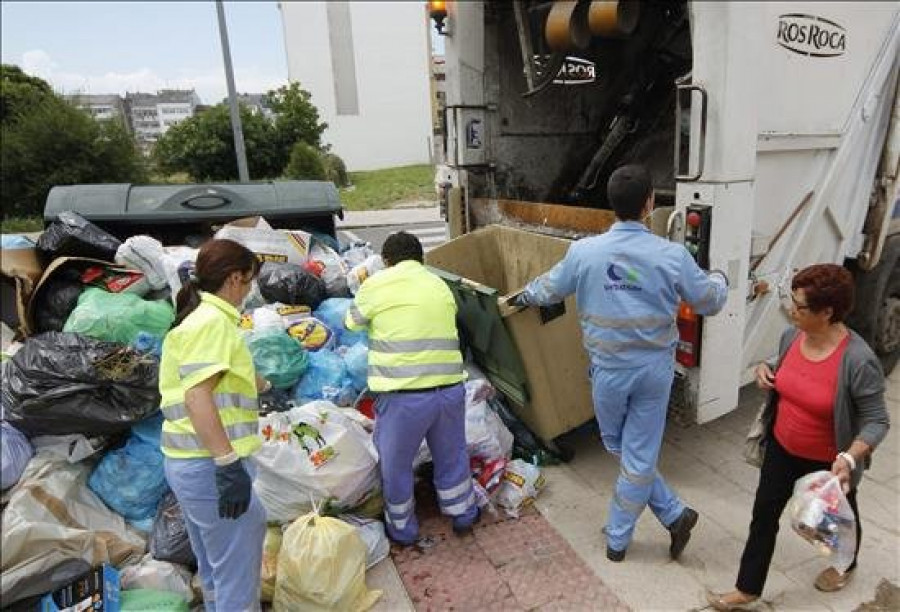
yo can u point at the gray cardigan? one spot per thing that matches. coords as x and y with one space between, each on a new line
859 409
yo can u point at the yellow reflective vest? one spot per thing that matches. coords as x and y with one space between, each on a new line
410 315
205 344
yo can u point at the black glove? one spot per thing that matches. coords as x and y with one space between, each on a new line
274 400
234 486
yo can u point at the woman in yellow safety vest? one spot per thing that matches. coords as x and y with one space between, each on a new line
209 399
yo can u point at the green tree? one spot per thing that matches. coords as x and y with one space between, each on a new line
44 141
296 118
306 163
203 146
20 92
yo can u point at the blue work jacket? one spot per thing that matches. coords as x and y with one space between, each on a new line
627 285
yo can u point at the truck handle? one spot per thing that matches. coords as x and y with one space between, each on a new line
704 99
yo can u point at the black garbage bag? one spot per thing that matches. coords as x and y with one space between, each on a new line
291 284
169 539
56 301
526 445
71 235
63 383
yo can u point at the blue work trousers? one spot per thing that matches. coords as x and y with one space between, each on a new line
403 421
631 404
228 551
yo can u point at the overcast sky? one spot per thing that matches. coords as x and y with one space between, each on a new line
114 47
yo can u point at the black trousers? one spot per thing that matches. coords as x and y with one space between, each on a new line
779 472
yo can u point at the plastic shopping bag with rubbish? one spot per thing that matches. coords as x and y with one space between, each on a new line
314 452
821 514
322 566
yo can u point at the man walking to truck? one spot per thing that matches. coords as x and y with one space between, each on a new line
627 285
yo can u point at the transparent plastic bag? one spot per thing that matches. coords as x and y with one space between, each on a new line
821 515
357 253
278 357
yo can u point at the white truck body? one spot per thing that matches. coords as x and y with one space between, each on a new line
797 162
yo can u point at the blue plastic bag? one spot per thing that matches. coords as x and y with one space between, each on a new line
15 241
333 312
357 360
149 430
277 357
131 480
15 453
325 376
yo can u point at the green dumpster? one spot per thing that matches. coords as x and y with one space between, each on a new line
535 357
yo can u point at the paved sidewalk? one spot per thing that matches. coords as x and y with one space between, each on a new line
703 463
392 216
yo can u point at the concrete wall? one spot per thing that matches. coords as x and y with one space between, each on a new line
367 67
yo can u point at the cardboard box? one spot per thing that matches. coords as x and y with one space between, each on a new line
97 590
21 271
107 278
533 356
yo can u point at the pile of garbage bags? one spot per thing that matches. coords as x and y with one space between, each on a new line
82 474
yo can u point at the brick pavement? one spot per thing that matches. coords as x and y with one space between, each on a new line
505 564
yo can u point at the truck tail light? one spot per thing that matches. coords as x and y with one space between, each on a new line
690 328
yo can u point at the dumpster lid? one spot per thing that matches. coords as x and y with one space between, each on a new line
482 325
164 202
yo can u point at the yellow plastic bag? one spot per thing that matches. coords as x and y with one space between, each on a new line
322 566
271 548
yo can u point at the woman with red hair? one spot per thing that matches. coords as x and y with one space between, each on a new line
825 411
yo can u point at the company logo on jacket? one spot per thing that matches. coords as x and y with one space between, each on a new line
624 278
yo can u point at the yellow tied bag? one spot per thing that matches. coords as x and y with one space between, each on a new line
271 548
322 566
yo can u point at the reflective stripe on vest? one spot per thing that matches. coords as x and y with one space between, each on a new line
414 346
223 401
191 442
186 370
414 371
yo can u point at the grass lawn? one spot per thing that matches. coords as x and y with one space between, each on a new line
382 188
22 225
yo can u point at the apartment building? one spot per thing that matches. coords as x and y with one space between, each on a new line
103 107
151 115
367 66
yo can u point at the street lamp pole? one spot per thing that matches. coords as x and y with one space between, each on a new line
240 152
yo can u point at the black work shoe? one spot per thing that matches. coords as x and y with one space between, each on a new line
616 556
465 530
681 531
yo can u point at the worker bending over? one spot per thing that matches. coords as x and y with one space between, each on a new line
416 372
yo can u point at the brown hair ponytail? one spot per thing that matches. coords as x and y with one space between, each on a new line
217 260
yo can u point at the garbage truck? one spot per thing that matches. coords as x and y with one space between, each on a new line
771 131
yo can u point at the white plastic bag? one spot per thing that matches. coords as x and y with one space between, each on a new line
145 254
313 451
322 566
373 536
822 516
159 576
360 272
176 262
521 484
72 447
